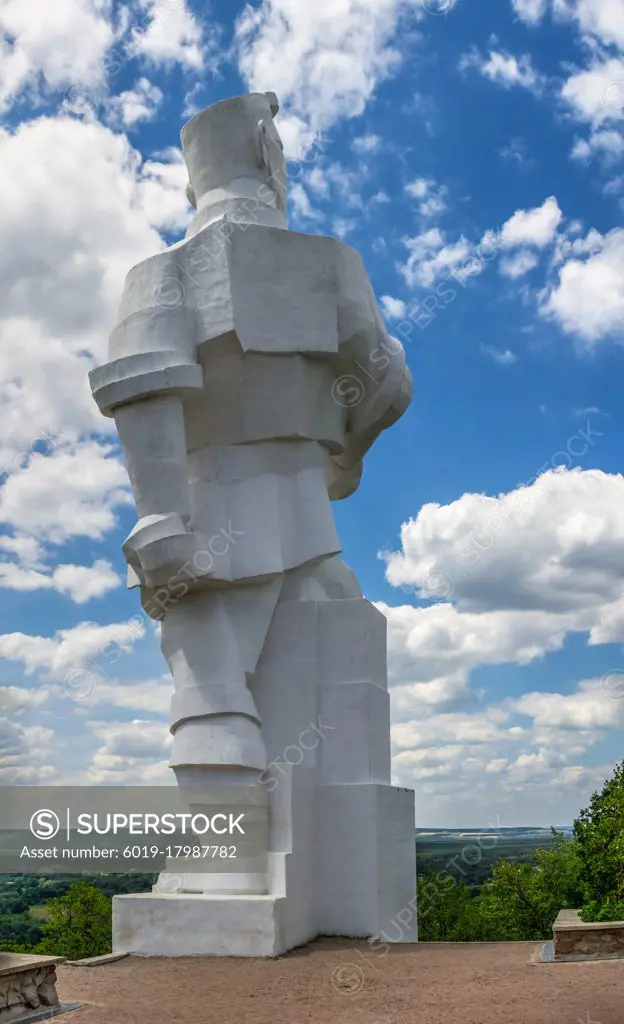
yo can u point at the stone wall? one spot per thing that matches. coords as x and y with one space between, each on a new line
579 940
26 988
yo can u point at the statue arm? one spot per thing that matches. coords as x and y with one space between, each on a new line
153 366
375 363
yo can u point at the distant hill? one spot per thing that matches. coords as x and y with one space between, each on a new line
504 831
469 854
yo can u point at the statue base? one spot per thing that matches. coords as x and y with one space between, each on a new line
346 867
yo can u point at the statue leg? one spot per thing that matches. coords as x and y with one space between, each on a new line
212 640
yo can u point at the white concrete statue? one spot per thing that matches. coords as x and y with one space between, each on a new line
249 374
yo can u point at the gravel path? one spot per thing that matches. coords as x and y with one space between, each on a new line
337 981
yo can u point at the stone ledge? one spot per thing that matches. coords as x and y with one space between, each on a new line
97 961
574 939
14 963
27 986
569 920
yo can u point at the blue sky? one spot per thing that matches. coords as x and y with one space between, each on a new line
473 154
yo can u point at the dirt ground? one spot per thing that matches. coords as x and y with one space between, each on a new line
341 982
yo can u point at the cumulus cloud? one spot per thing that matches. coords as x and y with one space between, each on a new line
70 650
511 577
534 227
556 544
587 296
130 753
392 308
133 106
431 257
504 69
24 751
518 265
331 58
72 493
429 195
596 94
172 34
47 47
72 225
80 582
530 11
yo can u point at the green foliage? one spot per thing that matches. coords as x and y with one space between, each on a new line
448 856
79 924
6 946
610 910
23 901
446 909
18 928
519 902
599 833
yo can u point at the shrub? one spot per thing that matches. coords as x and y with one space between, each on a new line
609 910
599 833
79 924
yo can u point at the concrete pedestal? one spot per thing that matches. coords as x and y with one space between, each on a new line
347 867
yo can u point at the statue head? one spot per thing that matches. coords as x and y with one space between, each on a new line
233 149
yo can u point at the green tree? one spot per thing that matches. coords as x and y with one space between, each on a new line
79 924
447 911
599 833
521 901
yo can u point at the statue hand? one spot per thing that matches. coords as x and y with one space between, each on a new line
342 478
158 547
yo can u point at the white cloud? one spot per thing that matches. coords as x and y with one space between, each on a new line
586 708
23 753
608 144
131 753
603 19
393 309
342 226
71 493
430 196
317 181
530 11
136 105
504 357
596 95
70 650
18 698
518 265
431 257
366 144
300 204
556 544
152 695
172 35
48 46
504 69
324 60
69 238
80 582
510 70
161 191
532 227
588 297
525 570
433 650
